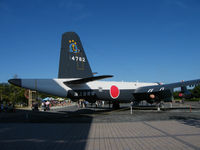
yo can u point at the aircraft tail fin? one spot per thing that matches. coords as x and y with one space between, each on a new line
73 61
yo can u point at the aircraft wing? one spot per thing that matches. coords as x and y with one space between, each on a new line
85 80
160 88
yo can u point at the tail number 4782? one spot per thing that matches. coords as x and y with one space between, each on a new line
76 58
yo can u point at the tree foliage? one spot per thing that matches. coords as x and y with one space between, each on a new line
11 93
176 95
196 92
14 94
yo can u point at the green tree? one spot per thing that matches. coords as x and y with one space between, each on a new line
196 92
176 95
11 93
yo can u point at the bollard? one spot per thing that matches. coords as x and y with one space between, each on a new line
131 110
131 105
158 109
171 105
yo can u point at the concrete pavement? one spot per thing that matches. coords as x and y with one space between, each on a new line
151 135
100 129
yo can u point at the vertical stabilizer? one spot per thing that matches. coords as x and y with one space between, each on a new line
73 61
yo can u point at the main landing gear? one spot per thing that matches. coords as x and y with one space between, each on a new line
160 105
116 105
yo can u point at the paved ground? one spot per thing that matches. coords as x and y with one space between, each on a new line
99 129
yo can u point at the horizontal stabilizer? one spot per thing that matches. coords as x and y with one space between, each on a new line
85 80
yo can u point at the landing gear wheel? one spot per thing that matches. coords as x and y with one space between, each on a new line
136 103
115 105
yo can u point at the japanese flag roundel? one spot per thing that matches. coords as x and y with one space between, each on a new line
114 92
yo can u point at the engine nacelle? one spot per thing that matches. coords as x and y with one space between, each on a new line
185 93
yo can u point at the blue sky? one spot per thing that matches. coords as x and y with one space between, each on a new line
157 40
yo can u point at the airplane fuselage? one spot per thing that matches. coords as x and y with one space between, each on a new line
96 90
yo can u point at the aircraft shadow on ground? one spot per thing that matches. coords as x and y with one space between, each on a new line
27 116
83 115
87 111
191 121
25 129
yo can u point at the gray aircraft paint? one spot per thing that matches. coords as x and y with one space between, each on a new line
48 86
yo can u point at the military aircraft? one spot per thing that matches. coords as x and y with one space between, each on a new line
76 80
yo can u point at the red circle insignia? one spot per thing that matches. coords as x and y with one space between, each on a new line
180 94
114 92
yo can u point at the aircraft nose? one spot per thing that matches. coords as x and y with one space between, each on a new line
16 82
